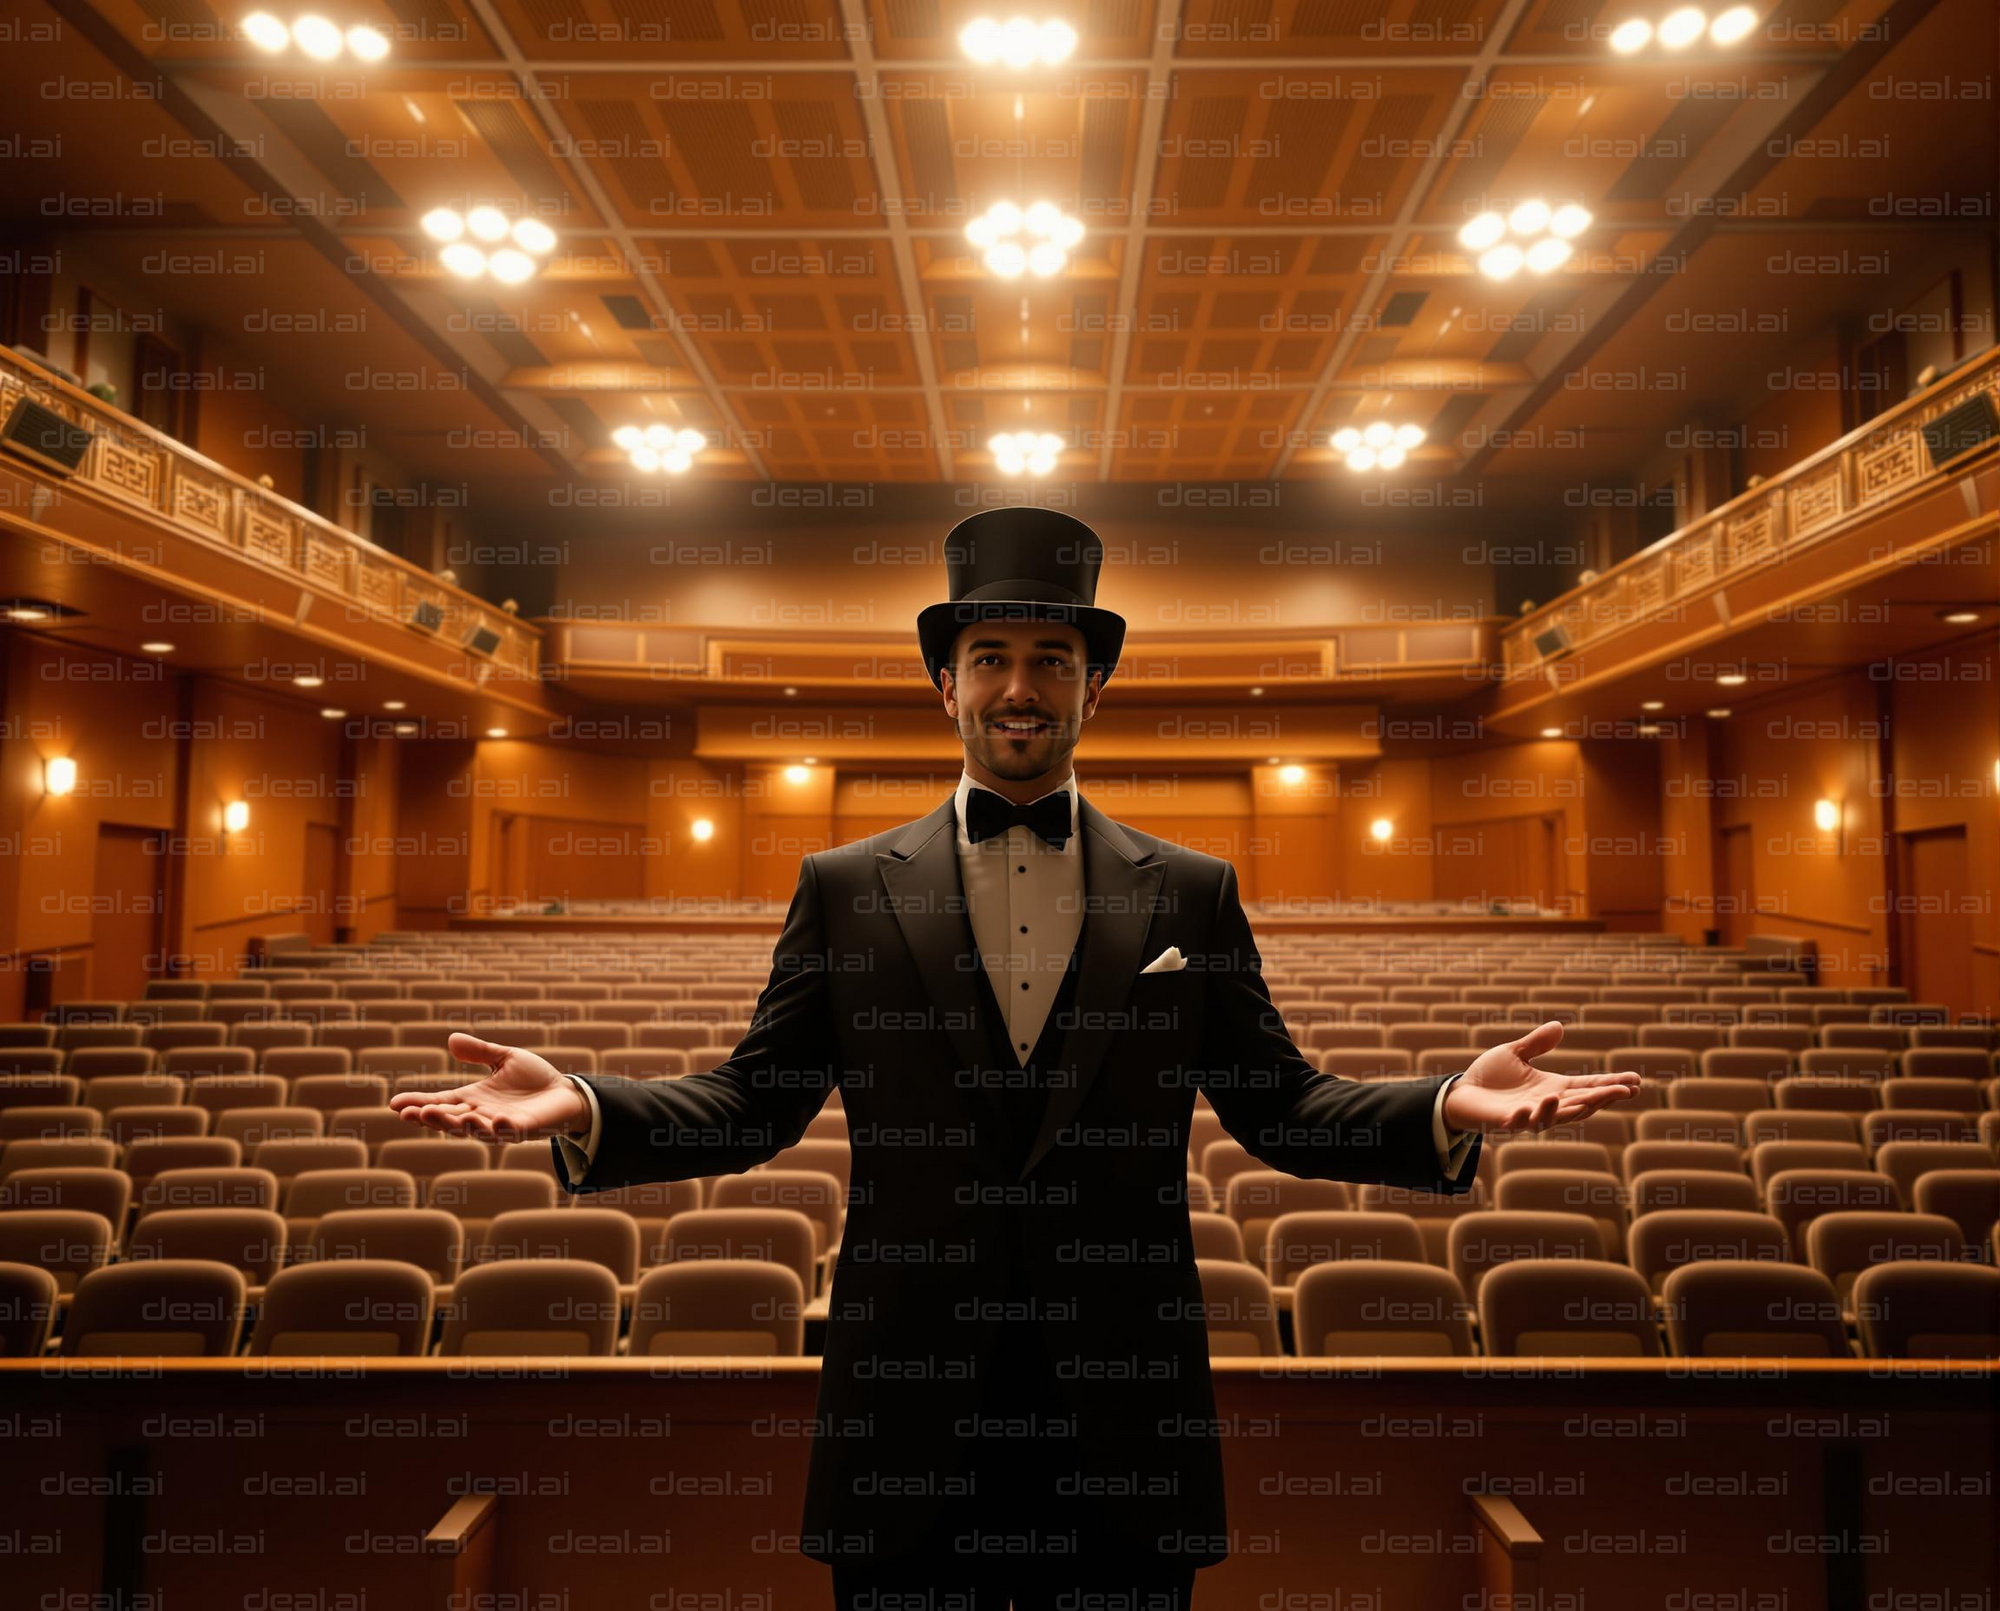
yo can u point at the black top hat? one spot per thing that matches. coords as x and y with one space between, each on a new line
1021 564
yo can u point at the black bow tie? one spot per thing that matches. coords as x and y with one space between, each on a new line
987 814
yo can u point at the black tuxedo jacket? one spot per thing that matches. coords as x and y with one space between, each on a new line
876 988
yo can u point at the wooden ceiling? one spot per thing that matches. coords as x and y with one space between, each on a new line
761 208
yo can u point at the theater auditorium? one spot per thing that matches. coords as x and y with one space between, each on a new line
876 805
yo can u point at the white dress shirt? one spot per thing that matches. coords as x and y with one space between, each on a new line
1024 897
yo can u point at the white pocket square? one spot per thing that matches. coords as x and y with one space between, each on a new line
1166 962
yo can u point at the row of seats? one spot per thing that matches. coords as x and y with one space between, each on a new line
1554 1307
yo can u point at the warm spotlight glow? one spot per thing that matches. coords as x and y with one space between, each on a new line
1530 218
333 715
1291 774
159 646
1961 618
496 732
487 224
796 774
236 816
265 31
510 267
1826 815
392 704
1721 713
1683 27
1502 263
532 235
59 775
1734 24
1482 232
1381 829
1652 704
307 682
1548 255
367 43
1552 732
1731 679
464 259
1630 36
317 37
442 224
702 829
1570 220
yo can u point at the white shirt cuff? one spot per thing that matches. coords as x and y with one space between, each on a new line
577 1156
1452 1145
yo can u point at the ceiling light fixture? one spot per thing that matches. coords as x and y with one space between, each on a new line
659 447
1541 238
158 646
1379 445
1682 26
1026 452
510 252
1017 42
1037 240
315 36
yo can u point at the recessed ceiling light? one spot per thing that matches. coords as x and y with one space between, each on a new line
1654 704
28 612
496 732
156 648
1649 729
1720 714
1958 617
307 682
1552 732
1732 679
405 729
392 704
333 715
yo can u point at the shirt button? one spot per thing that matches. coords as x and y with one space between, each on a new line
1024 984
1024 1046
1024 928
1020 869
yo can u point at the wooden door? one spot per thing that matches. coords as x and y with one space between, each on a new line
1936 918
1735 885
321 882
128 891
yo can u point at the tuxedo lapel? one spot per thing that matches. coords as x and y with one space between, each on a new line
927 898
1120 884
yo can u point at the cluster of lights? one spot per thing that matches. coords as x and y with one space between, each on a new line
508 252
1035 241
1541 240
1017 42
659 447
1681 28
321 40
1380 446
1025 452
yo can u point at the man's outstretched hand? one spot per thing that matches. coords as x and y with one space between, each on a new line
1504 1092
525 1097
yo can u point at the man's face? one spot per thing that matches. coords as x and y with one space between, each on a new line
1019 694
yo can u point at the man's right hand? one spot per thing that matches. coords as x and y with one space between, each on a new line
525 1097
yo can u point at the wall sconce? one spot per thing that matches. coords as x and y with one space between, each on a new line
1381 830
796 774
703 830
1291 775
236 816
1826 815
59 775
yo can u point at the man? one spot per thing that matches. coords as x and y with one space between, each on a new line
1018 999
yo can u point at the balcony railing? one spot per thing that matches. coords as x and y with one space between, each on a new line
1770 523
199 500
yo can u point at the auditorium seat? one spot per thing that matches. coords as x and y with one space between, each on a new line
1434 1212
1480 1242
1360 1063
1796 1124
149 1155
426 1155
1695 1038
743 1308
372 1127
547 1307
428 1238
376 1307
775 1235
1793 1039
1796 1197
1842 1243
1530 1152
28 1073
1257 1196
27 1310
175 990
1970 1198
1660 1190
49 1123
1302 1238
67 1242
1955 1037
215 1091
1752 1309
1380 1307
1946 1063
1240 1310
1718 1094
594 1235
1215 1236
24 1035
1926 1310
76 1152
315 1193
255 1126
107 1092
811 1192
1667 1239
198 1186
1904 1161
91 1063
1847 1063
173 1308
476 1197
103 1191
322 1077
1600 1195
394 1063
250 1241
1566 1308
1693 1122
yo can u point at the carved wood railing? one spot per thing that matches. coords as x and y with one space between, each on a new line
200 500
1770 523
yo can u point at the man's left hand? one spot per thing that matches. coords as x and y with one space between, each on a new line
1503 1092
